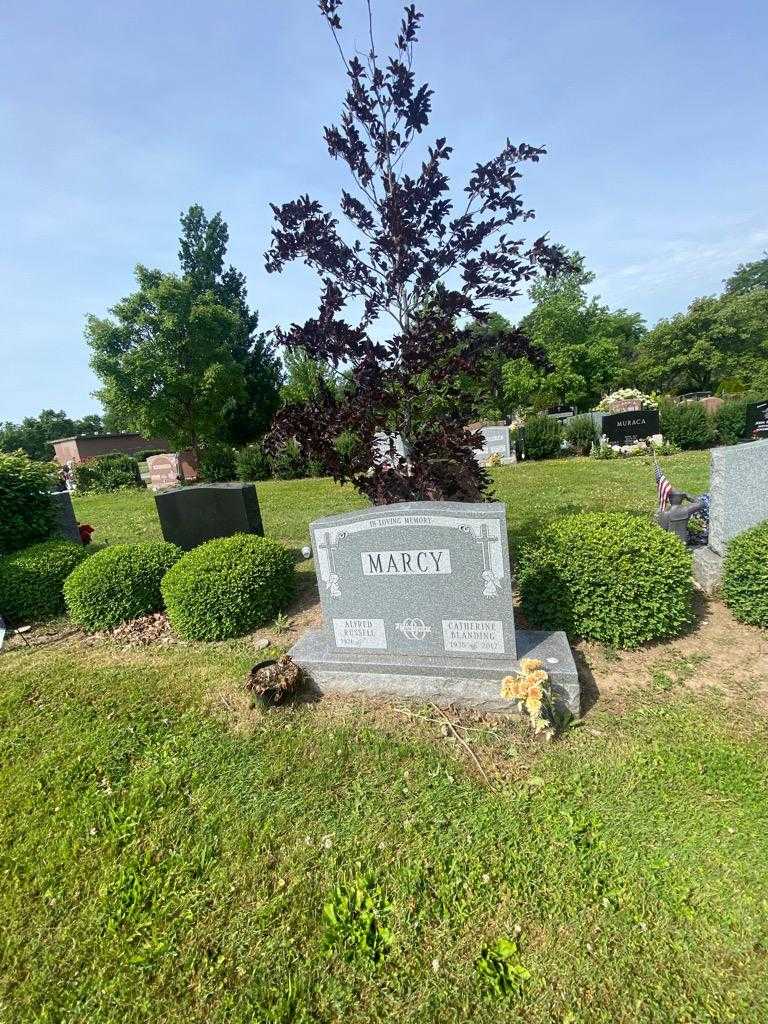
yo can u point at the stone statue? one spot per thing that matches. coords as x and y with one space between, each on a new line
675 517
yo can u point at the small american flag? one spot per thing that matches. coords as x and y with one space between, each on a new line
663 487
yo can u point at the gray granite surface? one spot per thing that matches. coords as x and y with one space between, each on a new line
192 515
738 491
66 524
419 578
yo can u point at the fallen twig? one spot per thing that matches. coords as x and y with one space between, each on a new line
464 744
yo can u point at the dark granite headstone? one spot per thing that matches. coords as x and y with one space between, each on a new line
757 419
66 523
192 515
628 427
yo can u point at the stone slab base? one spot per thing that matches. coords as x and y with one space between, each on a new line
707 569
461 681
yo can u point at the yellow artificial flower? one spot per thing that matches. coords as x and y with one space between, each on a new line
534 693
536 678
521 689
509 687
531 664
533 707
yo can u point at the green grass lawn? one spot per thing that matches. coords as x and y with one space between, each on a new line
166 852
534 492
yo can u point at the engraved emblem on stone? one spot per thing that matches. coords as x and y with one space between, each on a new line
492 572
413 629
326 559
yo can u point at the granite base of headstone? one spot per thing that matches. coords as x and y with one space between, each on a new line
192 515
738 500
65 524
417 603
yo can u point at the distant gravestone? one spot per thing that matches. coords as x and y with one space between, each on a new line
65 524
495 442
163 470
384 445
417 601
562 413
167 469
192 515
626 405
628 427
757 419
712 404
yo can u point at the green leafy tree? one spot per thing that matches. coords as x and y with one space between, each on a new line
748 276
305 378
588 346
488 382
719 338
202 253
166 358
34 434
205 296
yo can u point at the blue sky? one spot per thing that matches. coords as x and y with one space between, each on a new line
115 117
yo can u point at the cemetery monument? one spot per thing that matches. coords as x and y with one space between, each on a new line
738 493
192 515
417 602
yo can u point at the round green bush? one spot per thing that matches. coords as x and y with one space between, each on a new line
27 512
32 580
745 576
610 576
119 583
228 587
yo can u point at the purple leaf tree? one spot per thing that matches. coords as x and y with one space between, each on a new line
405 256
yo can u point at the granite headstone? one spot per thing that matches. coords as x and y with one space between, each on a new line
163 470
192 515
65 524
628 427
495 442
757 419
390 448
738 500
738 491
417 601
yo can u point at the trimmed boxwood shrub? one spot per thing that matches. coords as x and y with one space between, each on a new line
32 580
731 421
688 424
745 576
610 576
119 583
228 587
543 437
26 510
108 473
